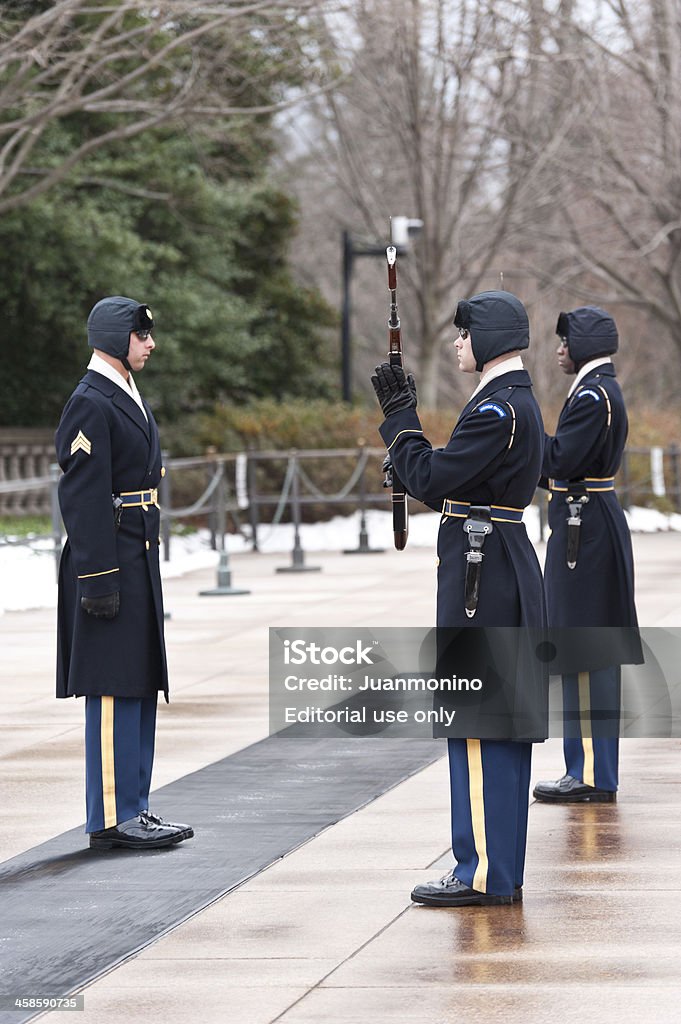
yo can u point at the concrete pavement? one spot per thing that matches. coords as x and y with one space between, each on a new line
329 933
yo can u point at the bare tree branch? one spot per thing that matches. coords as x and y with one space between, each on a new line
142 65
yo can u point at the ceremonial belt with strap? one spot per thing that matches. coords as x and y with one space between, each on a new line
589 483
498 513
477 527
132 499
577 497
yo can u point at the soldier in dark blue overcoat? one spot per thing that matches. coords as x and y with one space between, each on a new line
110 646
589 572
491 464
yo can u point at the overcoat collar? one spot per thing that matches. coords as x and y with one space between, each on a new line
513 379
602 370
125 403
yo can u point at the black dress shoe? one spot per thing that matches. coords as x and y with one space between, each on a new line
571 791
518 894
450 892
136 834
156 819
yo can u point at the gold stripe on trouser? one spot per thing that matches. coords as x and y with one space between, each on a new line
477 798
106 740
584 683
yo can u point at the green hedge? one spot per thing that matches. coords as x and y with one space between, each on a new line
299 424
267 424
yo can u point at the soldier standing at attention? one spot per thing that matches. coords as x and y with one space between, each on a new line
589 569
110 646
481 481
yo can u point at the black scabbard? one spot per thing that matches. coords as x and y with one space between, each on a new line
575 502
472 583
477 527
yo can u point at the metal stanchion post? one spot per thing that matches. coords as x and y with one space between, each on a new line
297 555
363 546
212 518
224 578
164 493
56 514
676 476
252 499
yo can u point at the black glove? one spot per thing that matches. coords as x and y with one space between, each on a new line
105 607
387 468
394 391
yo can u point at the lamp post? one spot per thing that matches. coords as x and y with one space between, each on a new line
402 229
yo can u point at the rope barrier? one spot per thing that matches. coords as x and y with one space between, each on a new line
200 504
283 497
661 476
344 491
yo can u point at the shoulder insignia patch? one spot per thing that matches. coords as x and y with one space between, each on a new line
588 391
493 407
80 443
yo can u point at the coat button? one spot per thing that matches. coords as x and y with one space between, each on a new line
146 544
145 507
163 470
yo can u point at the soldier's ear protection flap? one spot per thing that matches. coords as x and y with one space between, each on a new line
562 327
142 319
462 317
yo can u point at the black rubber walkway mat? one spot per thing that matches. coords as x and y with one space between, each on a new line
68 913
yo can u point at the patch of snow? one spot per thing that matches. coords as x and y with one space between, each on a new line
28 573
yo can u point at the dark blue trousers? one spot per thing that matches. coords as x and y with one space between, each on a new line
591 723
119 755
490 790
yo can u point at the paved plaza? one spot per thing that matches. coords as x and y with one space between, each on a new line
328 932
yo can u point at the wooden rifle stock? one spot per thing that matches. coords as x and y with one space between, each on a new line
399 494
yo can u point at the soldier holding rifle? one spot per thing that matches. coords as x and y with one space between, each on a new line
488 574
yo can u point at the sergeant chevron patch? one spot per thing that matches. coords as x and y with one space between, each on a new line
81 443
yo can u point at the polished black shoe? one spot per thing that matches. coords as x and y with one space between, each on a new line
135 834
518 894
450 892
156 819
571 791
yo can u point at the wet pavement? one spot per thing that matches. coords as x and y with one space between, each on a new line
328 933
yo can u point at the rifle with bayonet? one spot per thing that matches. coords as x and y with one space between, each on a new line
399 494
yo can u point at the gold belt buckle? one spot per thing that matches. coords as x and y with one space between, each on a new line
153 498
